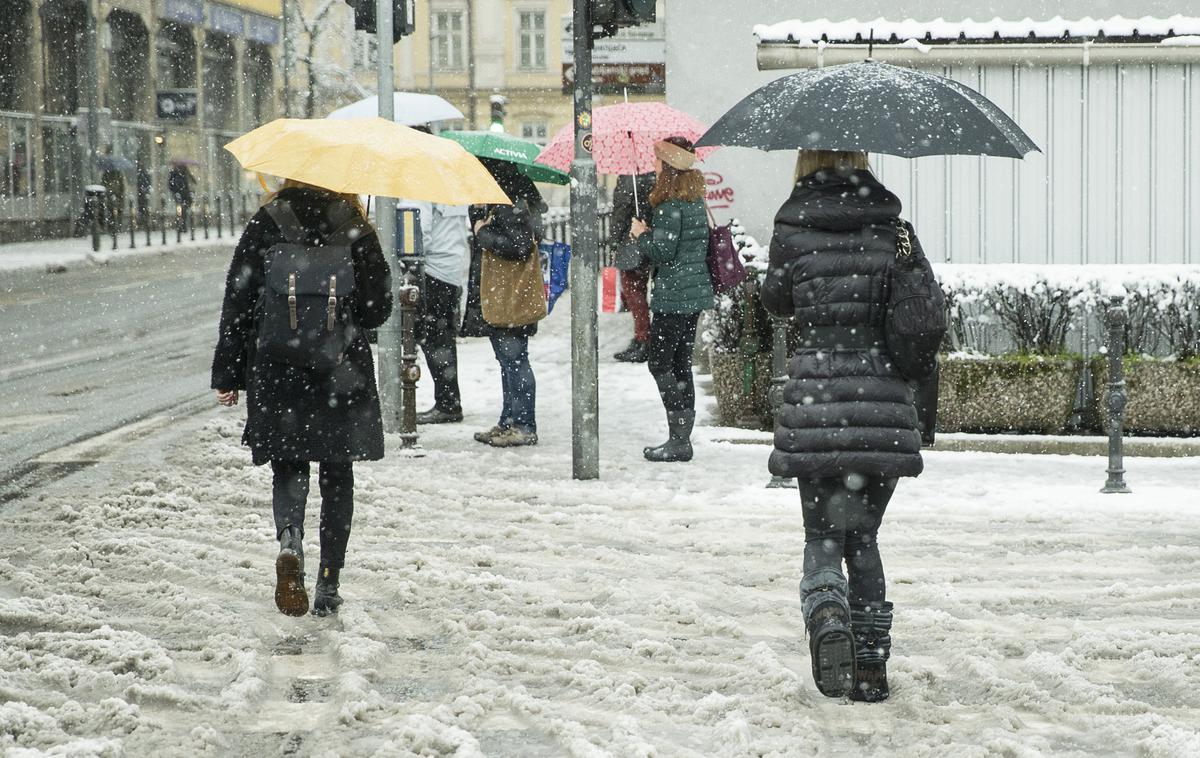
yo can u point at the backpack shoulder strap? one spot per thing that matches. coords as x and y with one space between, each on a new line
348 225
285 218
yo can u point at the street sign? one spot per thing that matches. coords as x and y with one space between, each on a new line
635 60
175 103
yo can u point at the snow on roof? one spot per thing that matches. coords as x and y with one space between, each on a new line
852 30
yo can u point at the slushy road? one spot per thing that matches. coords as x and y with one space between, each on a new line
99 347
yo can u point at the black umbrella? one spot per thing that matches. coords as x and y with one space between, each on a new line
873 107
115 163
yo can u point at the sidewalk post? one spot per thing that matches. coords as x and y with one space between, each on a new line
1116 318
410 254
585 243
779 377
390 334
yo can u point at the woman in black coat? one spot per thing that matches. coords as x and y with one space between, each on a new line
510 232
296 415
848 428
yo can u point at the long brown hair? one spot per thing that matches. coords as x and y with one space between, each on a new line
349 197
812 161
673 184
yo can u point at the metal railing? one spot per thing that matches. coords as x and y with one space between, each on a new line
557 228
163 220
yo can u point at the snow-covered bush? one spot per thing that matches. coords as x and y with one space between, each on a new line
1033 309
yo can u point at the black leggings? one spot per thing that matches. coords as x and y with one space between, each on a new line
841 520
672 339
290 494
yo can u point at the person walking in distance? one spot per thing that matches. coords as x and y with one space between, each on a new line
631 199
676 244
848 428
179 184
307 279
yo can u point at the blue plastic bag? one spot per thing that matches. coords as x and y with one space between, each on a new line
556 266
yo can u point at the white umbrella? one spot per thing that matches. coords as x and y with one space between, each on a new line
412 109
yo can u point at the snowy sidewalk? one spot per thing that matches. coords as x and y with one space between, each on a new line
497 607
57 254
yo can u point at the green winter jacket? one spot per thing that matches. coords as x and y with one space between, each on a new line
677 246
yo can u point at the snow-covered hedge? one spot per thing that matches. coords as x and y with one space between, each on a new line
997 309
1035 307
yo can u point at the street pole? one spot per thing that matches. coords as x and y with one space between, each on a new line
1116 319
93 93
287 58
390 334
471 65
585 241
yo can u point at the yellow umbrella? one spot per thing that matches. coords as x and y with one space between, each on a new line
368 156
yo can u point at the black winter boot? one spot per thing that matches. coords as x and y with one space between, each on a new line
635 353
327 599
872 627
830 641
290 595
679 447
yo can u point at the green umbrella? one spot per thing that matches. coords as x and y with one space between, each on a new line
505 147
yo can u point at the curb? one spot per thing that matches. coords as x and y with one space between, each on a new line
1134 448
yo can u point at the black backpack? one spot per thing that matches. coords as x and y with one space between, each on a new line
916 309
302 316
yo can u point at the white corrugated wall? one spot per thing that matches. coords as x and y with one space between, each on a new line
1117 181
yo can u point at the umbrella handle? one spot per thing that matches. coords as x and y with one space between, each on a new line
637 209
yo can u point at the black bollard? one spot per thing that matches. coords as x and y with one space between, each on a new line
132 226
95 219
1117 398
779 377
204 214
147 221
191 222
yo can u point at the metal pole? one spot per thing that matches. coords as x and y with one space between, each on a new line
287 58
1116 318
585 241
779 377
471 124
390 336
93 93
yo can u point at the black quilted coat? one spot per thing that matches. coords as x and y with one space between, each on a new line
845 410
293 413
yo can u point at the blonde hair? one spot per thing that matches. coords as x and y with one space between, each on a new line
349 197
812 161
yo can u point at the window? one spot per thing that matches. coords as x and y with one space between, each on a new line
448 40
532 25
366 52
536 131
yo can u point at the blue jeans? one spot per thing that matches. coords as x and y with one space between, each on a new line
516 377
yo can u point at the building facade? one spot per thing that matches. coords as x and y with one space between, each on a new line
1112 102
174 80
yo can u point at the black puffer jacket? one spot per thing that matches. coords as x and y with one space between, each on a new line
293 413
845 410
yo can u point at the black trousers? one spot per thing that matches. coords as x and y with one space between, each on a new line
841 521
436 330
290 495
672 339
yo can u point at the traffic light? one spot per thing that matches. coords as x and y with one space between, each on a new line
499 111
617 14
403 17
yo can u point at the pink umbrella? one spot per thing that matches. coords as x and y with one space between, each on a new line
623 137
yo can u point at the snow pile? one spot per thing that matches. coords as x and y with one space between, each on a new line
808 33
